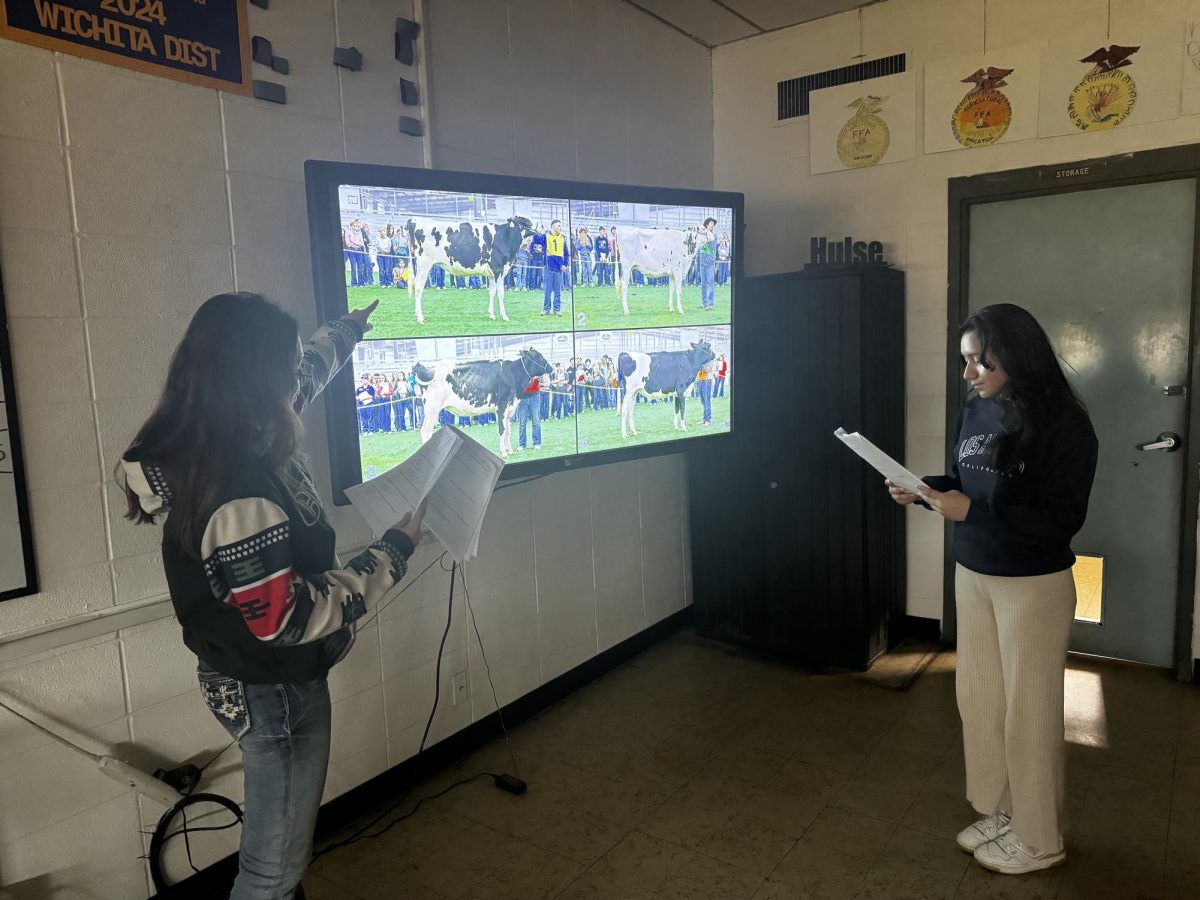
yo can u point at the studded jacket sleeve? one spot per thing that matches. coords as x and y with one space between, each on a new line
324 355
247 556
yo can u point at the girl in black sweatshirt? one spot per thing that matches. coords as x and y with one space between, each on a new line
1017 491
249 557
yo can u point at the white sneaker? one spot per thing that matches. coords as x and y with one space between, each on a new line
1008 856
982 832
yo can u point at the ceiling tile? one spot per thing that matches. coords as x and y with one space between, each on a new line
769 14
704 19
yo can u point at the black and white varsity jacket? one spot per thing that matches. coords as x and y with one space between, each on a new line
265 600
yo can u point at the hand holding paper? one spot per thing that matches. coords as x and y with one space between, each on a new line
448 484
411 523
880 461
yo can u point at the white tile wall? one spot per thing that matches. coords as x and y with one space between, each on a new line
372 94
59 441
361 669
902 204
138 578
28 94
40 280
267 139
71 520
98 849
151 196
357 724
306 38
33 188
173 278
130 196
157 667
63 596
116 111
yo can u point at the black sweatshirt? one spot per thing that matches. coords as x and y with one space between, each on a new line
1022 520
263 598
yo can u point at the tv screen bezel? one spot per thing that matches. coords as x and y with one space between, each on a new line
321 181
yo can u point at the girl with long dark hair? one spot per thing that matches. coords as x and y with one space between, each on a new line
249 557
1017 491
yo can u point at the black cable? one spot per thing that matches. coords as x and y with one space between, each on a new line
161 833
199 829
211 760
364 833
488 669
522 481
361 834
437 675
187 841
437 693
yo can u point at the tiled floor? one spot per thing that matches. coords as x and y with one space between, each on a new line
696 772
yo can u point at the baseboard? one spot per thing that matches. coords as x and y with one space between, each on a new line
213 882
919 628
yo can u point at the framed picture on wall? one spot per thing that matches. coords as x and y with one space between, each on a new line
18 576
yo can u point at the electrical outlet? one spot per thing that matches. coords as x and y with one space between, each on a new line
458 690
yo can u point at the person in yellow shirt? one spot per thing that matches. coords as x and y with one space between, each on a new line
558 263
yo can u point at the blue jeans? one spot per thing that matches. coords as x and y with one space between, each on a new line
708 294
554 282
530 407
585 268
706 397
283 730
719 387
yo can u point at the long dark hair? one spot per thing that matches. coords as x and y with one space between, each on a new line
227 402
1037 389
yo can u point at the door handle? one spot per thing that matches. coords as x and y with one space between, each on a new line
1168 441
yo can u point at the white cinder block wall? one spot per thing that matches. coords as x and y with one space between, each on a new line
125 201
902 204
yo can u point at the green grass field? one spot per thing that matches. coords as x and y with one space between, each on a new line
601 430
599 309
455 313
598 430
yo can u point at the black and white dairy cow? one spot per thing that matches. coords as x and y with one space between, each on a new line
479 386
660 375
657 251
465 248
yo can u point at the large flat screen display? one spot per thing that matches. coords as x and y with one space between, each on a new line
550 320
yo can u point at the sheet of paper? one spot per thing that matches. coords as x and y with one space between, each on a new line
384 500
880 461
459 500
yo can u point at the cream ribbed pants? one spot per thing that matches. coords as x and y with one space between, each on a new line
1012 656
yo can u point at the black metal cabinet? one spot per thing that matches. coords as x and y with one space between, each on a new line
796 547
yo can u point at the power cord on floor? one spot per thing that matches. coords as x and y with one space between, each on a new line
162 832
509 783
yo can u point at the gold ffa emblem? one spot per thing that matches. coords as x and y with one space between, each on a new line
1106 95
984 114
863 140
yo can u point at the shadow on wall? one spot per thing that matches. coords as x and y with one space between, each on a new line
40 886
